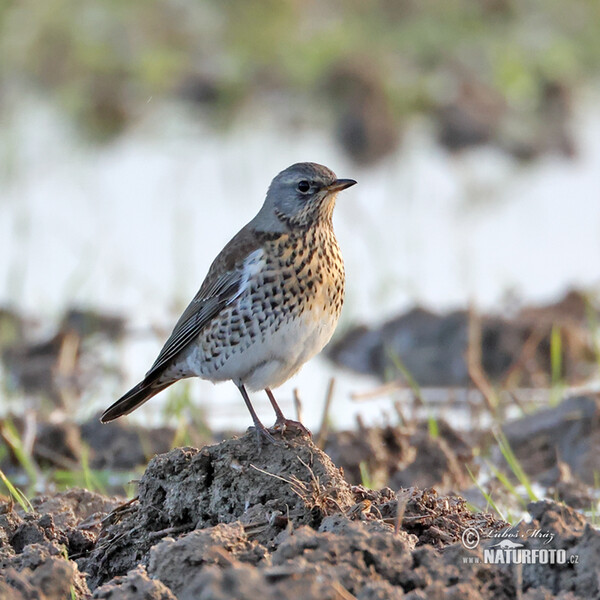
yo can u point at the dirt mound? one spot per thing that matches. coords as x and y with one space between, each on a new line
237 521
404 455
567 433
264 486
435 348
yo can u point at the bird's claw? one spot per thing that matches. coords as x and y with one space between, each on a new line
284 425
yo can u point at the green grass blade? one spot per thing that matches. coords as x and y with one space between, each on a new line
13 439
488 497
514 464
91 479
432 425
592 320
365 476
505 481
398 364
16 493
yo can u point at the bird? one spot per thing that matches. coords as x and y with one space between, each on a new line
270 301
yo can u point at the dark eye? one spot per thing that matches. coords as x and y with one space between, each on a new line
303 186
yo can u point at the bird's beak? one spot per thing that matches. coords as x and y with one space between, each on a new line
340 184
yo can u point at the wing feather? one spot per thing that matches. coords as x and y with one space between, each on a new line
206 305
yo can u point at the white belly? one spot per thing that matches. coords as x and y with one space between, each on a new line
271 360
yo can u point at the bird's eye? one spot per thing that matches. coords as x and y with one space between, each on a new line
303 186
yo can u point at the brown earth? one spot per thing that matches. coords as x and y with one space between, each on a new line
235 520
557 447
440 350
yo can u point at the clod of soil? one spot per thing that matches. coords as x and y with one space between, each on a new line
569 433
39 550
236 520
404 456
135 586
581 542
433 347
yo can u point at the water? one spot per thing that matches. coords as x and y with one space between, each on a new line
133 226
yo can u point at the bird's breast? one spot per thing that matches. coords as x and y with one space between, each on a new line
309 270
286 314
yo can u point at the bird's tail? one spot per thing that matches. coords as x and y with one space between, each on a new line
133 398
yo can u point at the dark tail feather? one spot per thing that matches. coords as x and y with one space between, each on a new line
132 399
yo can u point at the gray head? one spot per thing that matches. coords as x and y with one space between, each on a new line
300 196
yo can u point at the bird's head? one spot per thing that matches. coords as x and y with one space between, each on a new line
301 196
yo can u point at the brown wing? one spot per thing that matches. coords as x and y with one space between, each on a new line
222 284
198 313
220 287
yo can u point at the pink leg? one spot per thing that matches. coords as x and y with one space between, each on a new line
281 422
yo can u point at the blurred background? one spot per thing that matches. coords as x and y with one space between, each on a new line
137 137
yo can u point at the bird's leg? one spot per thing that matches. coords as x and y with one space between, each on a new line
280 417
261 430
281 422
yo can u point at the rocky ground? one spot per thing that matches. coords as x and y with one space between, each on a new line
239 520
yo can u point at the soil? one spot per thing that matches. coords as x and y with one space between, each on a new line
379 514
122 447
557 447
568 434
512 351
239 520
57 367
405 455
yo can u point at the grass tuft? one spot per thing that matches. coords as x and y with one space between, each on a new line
16 493
11 436
514 464
432 424
365 475
488 498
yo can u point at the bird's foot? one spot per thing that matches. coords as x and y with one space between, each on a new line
284 425
264 435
